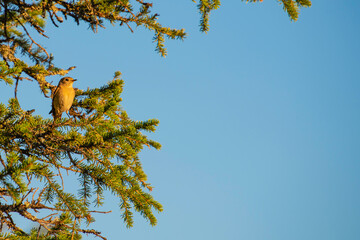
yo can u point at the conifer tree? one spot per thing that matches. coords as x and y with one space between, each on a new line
98 144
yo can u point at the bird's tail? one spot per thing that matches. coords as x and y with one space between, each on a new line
55 116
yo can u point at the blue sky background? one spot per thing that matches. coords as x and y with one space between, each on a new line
259 118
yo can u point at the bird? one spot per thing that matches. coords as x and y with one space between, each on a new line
63 97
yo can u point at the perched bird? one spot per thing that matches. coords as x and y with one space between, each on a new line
63 97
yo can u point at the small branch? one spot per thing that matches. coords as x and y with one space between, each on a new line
27 194
2 161
62 180
34 194
28 34
38 232
32 218
40 194
52 19
73 230
92 231
10 223
60 196
4 192
5 20
3 198
49 216
100 212
129 27
29 178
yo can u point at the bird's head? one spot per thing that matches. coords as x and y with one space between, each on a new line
67 82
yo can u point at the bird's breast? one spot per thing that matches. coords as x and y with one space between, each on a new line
64 98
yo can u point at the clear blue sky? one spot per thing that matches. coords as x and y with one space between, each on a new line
259 118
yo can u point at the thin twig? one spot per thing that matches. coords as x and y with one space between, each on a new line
28 34
49 216
27 194
129 27
5 21
62 180
101 212
38 233
34 194
73 231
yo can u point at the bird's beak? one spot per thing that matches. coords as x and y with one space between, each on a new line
74 80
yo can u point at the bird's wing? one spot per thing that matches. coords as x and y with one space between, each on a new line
52 111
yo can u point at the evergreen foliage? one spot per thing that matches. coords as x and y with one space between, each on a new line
99 144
